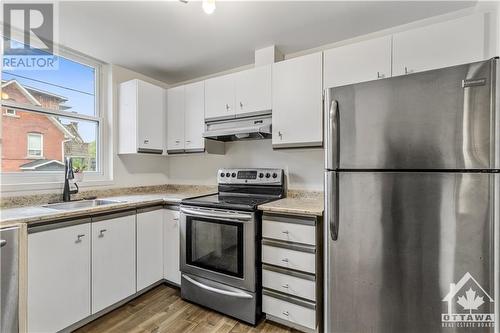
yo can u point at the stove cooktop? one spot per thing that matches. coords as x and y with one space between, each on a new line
242 189
224 201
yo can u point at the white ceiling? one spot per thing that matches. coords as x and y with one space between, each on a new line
172 41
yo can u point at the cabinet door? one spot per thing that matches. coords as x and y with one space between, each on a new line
297 102
175 119
253 90
194 124
359 62
58 277
149 248
150 115
171 239
219 97
439 45
113 261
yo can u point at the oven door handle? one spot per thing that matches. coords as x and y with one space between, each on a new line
219 215
216 290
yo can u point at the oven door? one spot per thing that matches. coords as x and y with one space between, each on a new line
219 245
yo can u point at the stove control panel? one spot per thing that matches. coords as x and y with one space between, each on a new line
250 176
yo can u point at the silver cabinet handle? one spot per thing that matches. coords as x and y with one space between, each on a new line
177 141
79 238
241 105
146 142
380 75
280 135
285 286
101 232
227 107
3 242
408 71
284 259
286 313
286 232
216 290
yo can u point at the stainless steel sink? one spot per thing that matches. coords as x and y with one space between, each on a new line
81 204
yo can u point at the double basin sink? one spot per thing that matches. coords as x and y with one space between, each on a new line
71 205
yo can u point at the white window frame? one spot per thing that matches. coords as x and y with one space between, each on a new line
49 180
10 112
33 134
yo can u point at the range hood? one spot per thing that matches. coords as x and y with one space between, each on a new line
256 127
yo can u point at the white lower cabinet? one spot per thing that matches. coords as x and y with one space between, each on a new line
171 241
291 270
290 282
149 246
58 276
289 309
113 259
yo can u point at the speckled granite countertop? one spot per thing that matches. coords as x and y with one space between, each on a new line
297 202
38 214
301 203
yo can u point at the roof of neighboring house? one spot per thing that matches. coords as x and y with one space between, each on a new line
43 165
72 128
27 92
40 91
23 90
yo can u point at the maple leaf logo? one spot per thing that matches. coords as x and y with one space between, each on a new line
470 301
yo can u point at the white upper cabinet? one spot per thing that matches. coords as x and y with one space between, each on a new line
113 260
175 119
253 90
297 102
219 97
359 62
58 277
194 119
141 118
440 45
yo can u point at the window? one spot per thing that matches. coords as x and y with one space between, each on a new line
51 115
10 112
35 145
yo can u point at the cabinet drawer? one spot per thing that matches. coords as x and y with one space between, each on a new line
300 285
304 315
301 258
291 232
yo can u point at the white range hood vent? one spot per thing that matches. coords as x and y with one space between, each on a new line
256 127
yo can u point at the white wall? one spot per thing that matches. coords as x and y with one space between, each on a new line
303 167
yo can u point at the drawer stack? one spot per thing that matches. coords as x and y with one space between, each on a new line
291 270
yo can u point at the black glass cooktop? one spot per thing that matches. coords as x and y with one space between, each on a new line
227 201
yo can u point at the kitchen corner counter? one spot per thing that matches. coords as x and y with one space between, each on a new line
299 203
32 215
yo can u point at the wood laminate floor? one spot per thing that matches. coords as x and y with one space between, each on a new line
162 310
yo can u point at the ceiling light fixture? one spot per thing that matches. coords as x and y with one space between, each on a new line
208 6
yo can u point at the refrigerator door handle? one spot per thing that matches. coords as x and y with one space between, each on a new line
332 204
332 133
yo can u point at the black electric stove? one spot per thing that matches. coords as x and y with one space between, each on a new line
242 189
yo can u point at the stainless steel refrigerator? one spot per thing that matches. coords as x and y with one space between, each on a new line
412 195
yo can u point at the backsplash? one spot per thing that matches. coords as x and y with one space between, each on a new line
39 199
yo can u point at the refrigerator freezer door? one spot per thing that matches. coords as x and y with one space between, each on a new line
403 240
440 119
